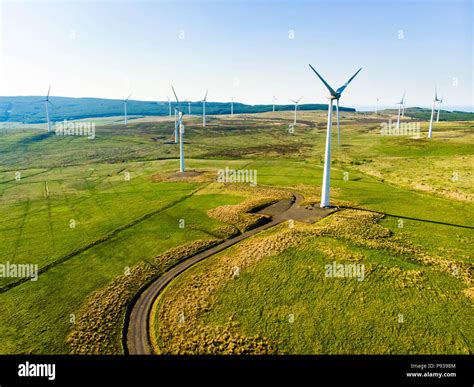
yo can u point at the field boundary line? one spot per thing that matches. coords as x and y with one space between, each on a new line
102 239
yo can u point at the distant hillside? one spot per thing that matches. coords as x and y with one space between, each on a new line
425 114
29 110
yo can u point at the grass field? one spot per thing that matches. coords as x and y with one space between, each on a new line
400 307
119 222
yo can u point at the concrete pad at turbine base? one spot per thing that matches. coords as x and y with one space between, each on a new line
292 209
308 214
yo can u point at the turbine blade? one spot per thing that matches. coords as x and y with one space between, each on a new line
47 95
331 90
341 89
292 100
299 99
205 96
128 97
174 92
177 100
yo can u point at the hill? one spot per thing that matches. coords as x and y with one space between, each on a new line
31 109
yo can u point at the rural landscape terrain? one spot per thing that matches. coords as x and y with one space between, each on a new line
104 218
236 192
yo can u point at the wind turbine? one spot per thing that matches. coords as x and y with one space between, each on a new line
274 99
430 131
232 107
189 106
377 106
181 132
46 102
334 95
296 107
204 109
400 104
440 101
125 101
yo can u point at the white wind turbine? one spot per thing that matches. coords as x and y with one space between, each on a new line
440 101
334 95
125 101
296 107
204 109
400 104
181 132
46 102
274 99
430 131
377 106
189 106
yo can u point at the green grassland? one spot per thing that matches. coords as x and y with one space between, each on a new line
400 307
120 222
345 316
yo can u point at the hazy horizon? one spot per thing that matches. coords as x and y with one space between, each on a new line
359 108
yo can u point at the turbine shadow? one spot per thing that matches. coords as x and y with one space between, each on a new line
409 218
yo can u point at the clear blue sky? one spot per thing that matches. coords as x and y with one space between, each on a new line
239 48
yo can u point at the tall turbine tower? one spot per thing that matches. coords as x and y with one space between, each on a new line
334 95
296 107
204 109
430 131
400 104
377 106
440 101
46 103
125 101
274 99
181 133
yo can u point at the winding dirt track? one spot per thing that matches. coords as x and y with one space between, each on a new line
137 340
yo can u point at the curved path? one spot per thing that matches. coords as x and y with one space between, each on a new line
137 340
